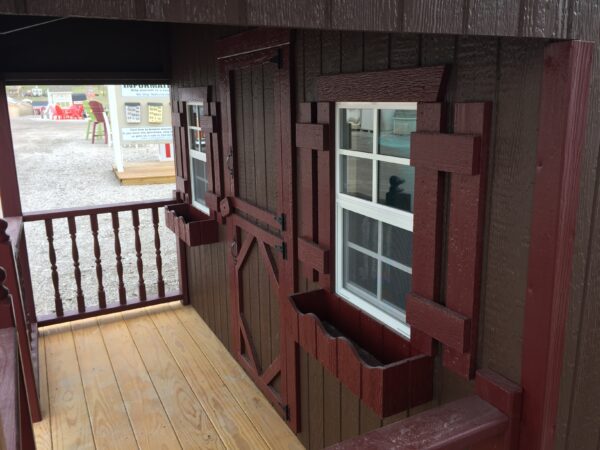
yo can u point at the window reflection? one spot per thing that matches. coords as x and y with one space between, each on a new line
357 177
395 126
356 129
396 186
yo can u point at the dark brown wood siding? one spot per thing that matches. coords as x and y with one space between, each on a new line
579 407
507 72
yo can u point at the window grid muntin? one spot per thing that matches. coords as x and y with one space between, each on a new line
196 154
377 307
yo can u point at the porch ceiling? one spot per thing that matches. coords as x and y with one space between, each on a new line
153 378
528 18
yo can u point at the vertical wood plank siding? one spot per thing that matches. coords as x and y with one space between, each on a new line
507 72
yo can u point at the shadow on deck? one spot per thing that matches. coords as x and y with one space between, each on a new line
151 378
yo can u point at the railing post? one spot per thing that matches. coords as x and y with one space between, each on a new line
77 270
138 253
160 281
58 307
122 292
97 256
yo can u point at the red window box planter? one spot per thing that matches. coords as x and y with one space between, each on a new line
375 363
190 225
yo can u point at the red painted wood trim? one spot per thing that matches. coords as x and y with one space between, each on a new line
455 153
562 119
507 397
191 225
100 209
312 254
421 84
349 372
9 185
313 136
327 353
255 230
230 204
386 385
195 94
439 322
252 41
94 311
457 425
428 225
326 193
207 123
307 333
9 277
465 228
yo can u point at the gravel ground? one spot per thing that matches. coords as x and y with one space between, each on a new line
58 168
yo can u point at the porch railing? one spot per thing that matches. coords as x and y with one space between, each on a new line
86 307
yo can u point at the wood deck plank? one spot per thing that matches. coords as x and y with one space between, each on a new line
252 401
42 429
234 427
71 426
149 420
110 423
153 378
190 422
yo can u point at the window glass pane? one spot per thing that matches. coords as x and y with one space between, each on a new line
396 185
361 230
356 129
199 180
395 284
361 270
397 244
194 113
357 177
395 126
197 140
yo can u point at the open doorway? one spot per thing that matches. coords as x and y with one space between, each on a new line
84 148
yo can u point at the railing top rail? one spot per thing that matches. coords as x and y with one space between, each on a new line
99 209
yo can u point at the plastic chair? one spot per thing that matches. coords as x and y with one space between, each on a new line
98 111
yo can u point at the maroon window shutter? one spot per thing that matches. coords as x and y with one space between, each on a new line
315 167
461 158
211 126
179 121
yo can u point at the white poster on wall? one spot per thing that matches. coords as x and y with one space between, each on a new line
140 134
145 90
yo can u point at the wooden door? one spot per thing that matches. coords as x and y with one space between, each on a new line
254 87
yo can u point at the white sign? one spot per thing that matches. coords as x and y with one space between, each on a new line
147 134
133 113
145 90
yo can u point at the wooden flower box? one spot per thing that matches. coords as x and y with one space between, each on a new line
190 225
375 363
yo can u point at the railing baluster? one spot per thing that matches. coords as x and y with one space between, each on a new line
58 306
97 256
138 253
161 281
77 270
122 292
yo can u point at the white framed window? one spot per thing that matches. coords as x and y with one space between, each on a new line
374 208
197 151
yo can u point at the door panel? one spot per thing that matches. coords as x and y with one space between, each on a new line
254 88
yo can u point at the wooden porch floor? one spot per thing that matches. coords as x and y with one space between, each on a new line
152 378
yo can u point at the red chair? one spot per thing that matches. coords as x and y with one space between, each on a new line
56 112
98 111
